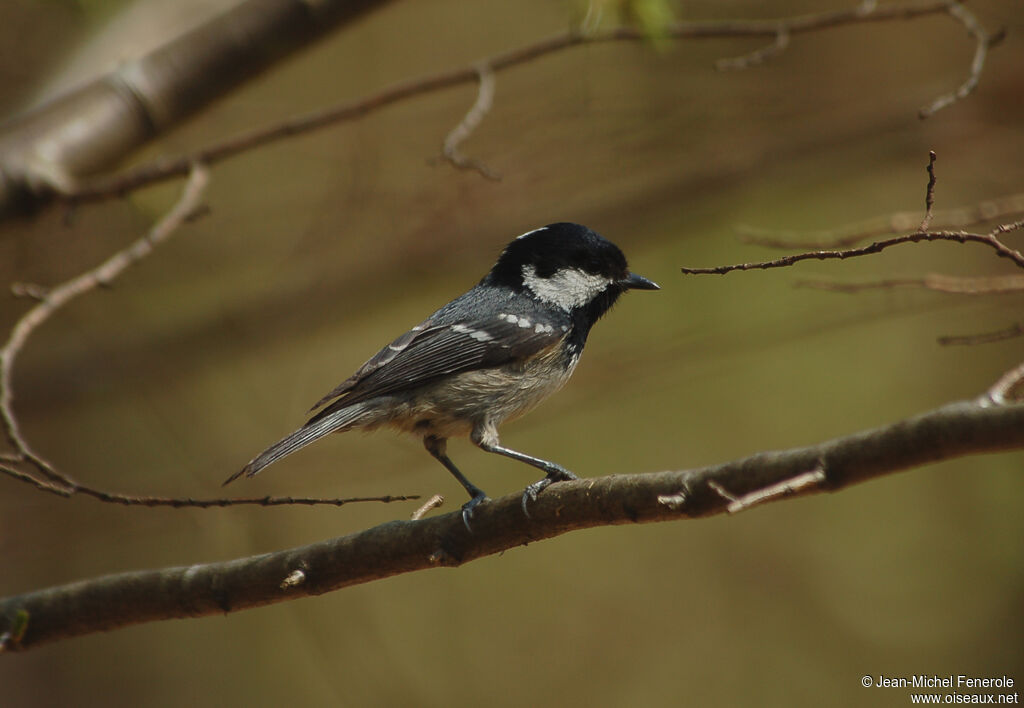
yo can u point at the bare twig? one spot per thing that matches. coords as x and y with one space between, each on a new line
758 56
188 502
929 196
434 502
983 285
959 218
29 290
479 110
110 602
1015 330
988 239
786 487
54 299
984 41
868 9
40 473
1009 389
169 167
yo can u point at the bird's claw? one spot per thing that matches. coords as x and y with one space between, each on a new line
556 474
468 507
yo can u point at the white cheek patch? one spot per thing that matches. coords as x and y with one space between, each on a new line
567 289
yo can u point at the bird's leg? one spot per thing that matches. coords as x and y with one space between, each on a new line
487 439
438 448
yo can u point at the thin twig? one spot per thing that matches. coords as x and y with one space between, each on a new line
169 167
786 487
56 298
435 502
1015 330
929 196
43 475
29 290
898 222
988 239
479 110
982 285
984 41
1009 388
758 56
188 502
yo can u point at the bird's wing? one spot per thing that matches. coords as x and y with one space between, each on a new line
385 355
431 350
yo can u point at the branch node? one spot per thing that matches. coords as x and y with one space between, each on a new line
440 557
294 579
676 501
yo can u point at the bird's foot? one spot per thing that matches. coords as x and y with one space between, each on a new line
468 507
556 473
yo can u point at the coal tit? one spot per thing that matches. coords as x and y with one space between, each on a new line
486 357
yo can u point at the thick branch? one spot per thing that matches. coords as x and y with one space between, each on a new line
51 148
397 547
170 167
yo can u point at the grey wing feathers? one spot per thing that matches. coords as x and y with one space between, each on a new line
446 343
440 349
305 435
378 360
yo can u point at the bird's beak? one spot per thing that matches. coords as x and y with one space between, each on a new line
638 282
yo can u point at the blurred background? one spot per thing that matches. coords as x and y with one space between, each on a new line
319 249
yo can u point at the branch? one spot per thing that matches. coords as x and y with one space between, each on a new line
477 112
1014 330
958 285
929 197
169 167
984 212
50 301
37 471
758 56
984 41
51 148
989 239
110 602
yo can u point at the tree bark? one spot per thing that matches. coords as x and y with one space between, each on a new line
105 603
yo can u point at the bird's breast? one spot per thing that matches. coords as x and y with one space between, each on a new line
455 405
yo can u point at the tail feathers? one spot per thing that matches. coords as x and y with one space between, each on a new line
312 431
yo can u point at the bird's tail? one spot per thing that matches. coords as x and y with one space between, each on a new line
311 431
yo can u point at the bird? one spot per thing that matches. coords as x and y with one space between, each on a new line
488 356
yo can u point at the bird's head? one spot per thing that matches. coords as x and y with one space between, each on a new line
567 266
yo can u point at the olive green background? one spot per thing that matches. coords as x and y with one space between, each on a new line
319 249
